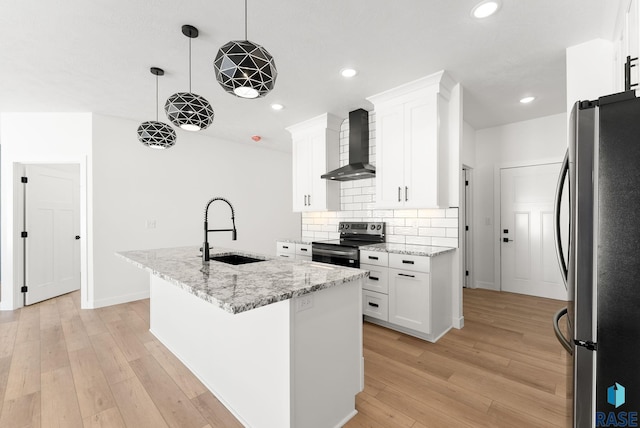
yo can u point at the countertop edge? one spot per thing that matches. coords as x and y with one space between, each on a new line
239 308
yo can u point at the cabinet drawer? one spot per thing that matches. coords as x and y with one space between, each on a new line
375 305
306 258
376 258
303 250
378 279
285 247
409 262
286 255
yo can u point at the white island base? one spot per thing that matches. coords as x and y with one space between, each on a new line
293 363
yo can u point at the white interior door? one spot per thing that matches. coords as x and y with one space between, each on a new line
52 222
528 257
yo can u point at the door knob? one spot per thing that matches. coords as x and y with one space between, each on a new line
507 240
77 236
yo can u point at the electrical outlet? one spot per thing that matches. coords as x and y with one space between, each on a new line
151 224
304 302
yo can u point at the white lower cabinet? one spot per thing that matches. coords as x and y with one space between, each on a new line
408 293
290 250
409 299
375 305
303 252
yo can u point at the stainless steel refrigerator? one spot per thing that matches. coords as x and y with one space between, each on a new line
600 260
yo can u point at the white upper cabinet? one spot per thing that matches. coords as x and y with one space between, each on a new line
316 150
412 143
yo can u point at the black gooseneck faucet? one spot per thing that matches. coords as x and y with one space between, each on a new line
234 233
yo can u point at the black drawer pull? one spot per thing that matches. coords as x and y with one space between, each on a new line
284 246
408 262
284 255
373 257
375 305
374 278
407 275
303 249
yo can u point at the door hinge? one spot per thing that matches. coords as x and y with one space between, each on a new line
24 179
23 234
466 273
466 182
24 289
591 346
466 228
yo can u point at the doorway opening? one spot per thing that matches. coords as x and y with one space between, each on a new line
48 225
466 228
528 263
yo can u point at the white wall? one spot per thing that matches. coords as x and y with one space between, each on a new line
127 184
530 142
468 150
133 184
37 138
590 71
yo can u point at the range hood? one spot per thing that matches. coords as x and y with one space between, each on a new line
358 167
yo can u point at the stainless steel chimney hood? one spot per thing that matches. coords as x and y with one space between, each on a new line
358 167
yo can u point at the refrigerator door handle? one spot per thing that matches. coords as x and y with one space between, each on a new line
566 344
564 172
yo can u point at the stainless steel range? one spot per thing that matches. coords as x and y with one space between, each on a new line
345 251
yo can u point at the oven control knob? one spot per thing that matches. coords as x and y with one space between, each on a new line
342 226
373 226
379 227
346 226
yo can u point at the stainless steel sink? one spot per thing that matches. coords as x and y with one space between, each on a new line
235 259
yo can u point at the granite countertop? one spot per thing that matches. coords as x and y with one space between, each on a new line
416 250
239 288
296 241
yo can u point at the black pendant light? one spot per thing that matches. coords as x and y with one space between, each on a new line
244 68
154 134
187 110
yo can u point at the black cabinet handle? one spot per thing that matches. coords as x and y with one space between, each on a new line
374 278
407 275
408 262
373 257
77 236
303 249
284 246
375 305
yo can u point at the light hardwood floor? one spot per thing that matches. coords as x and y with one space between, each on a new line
61 366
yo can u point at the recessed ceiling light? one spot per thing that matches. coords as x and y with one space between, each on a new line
485 9
527 100
277 107
348 72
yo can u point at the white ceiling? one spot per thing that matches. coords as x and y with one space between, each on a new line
79 55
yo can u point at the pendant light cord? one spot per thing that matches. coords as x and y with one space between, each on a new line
189 64
245 20
157 98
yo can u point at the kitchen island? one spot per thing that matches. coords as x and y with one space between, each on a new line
278 342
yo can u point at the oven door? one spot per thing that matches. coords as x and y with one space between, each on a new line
335 255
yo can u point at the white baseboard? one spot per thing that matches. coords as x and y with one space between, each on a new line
487 285
116 300
458 323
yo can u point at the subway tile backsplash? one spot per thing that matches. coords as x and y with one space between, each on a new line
357 199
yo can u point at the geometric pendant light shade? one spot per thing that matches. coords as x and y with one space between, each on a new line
244 68
154 134
187 110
